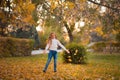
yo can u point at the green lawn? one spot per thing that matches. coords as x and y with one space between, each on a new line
98 67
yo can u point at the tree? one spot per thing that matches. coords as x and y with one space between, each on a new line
17 13
62 11
68 12
110 19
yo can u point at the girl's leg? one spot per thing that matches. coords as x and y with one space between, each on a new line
48 61
55 60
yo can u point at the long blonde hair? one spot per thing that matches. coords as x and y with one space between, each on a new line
50 38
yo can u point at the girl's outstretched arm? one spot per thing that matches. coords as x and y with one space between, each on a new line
63 47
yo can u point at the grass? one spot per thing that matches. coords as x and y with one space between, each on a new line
99 67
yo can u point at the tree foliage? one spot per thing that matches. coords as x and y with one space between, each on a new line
15 13
68 12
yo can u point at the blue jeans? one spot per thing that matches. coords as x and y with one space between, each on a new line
51 54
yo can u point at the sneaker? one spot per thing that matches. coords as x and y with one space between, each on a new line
44 71
55 71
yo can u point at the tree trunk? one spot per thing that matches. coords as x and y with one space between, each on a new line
2 32
69 31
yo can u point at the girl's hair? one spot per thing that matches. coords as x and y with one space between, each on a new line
50 38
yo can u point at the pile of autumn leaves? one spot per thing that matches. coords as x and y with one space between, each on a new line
30 68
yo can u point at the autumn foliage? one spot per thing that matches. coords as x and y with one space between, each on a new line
100 67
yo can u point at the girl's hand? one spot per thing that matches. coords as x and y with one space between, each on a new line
67 51
45 51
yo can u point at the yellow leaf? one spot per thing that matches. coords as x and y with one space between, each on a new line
70 5
99 30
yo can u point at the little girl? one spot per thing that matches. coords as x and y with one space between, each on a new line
52 45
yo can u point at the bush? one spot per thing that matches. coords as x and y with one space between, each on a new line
15 47
98 46
118 37
77 54
106 46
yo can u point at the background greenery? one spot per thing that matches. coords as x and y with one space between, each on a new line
106 47
44 35
15 47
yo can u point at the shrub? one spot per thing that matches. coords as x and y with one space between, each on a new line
118 37
109 46
98 46
77 54
15 47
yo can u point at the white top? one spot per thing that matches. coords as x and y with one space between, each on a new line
54 45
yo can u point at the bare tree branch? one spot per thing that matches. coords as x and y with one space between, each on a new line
107 6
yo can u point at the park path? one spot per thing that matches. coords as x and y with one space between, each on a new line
41 51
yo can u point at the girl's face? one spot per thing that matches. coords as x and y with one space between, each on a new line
53 36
